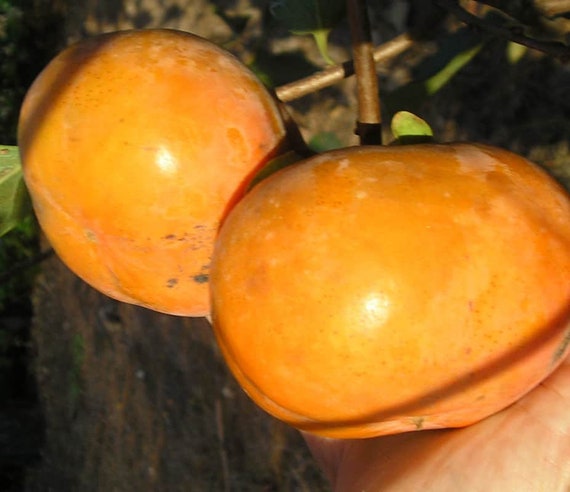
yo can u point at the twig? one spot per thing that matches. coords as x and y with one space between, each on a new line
369 123
497 4
550 8
554 48
332 75
554 8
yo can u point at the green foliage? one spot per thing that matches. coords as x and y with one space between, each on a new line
324 141
409 128
14 202
11 58
14 199
438 80
454 52
18 231
22 55
275 70
18 248
307 16
315 17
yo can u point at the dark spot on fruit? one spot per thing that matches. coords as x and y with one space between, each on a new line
418 422
170 236
171 282
201 278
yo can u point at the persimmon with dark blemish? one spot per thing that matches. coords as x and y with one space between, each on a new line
132 139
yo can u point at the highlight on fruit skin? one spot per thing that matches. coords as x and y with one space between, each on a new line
379 290
135 144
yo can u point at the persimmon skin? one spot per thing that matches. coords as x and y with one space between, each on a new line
135 144
379 290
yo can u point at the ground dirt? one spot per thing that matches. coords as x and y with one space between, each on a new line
132 400
136 400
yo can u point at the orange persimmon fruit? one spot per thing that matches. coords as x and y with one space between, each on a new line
378 290
135 144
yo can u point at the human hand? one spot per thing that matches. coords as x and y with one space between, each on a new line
525 447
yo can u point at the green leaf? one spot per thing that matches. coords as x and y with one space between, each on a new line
437 81
515 52
324 141
316 17
278 69
307 16
321 37
454 53
14 199
409 128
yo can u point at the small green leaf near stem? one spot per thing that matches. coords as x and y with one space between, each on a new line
408 128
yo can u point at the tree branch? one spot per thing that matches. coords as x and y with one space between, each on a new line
556 49
554 8
331 75
550 8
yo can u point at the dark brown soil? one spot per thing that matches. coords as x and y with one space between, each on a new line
136 400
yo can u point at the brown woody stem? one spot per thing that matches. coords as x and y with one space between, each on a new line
369 122
553 48
331 75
